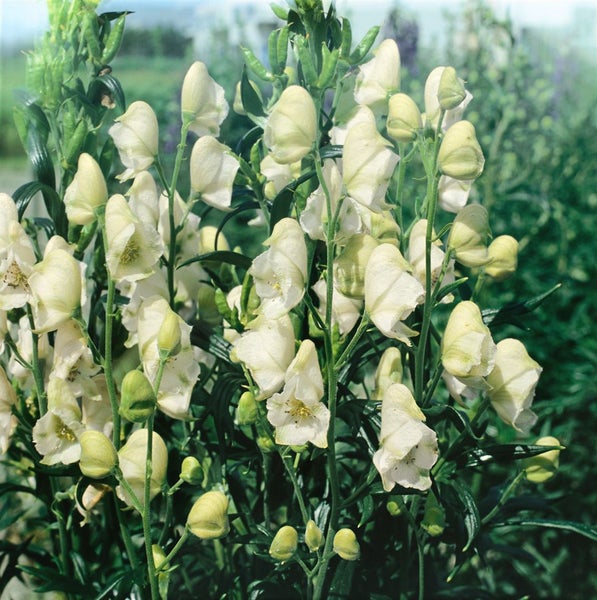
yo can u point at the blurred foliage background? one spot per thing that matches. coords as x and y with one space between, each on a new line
534 111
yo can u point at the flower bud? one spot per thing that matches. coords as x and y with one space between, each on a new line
389 371
543 467
503 257
346 545
451 90
246 412
291 128
404 118
284 544
137 398
393 507
349 267
191 471
460 155
169 334
313 536
98 455
159 556
208 518
468 237
86 193
434 521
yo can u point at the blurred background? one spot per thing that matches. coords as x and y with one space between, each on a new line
532 68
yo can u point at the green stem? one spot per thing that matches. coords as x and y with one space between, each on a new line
503 498
290 469
146 514
36 367
126 536
175 550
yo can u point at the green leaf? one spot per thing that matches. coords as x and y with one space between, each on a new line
502 453
223 256
251 101
342 583
110 83
465 505
580 528
24 194
330 152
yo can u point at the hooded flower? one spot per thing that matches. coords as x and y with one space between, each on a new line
134 248
203 103
460 155
297 412
8 398
266 349
291 129
408 448
432 99
391 292
86 193
345 311
453 193
368 164
513 381
135 135
213 169
280 272
468 236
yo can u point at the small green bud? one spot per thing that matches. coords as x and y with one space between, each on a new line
191 471
434 521
313 536
137 398
284 544
460 155
208 518
503 257
169 334
98 455
543 467
393 507
246 412
159 556
346 545
451 90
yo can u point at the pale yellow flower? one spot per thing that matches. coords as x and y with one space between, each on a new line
86 193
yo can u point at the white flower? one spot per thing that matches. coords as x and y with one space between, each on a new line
16 263
280 272
291 129
135 135
379 77
468 236
266 349
86 192
8 421
453 193
134 248
368 164
24 343
513 381
345 311
278 175
391 292
408 448
297 412
144 199
213 169
432 105
203 102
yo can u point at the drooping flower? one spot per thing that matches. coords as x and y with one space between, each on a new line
280 272
351 263
291 128
143 199
512 384
432 100
404 119
468 236
284 544
502 255
135 135
86 192
345 310
389 371
408 448
460 155
98 455
134 248
368 164
467 348
8 421
278 175
452 194
208 517
213 169
203 103
297 412
391 292
266 349
346 545
544 466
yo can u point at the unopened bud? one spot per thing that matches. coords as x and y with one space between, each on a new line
460 155
393 507
389 371
349 267
98 455
346 545
313 536
169 334
543 467
159 556
404 118
137 398
246 411
208 518
434 521
284 544
191 471
503 257
451 90
468 236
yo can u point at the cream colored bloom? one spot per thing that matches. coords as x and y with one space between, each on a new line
379 77
203 103
86 192
513 381
345 310
351 263
8 421
56 286
132 462
368 164
468 236
135 135
391 292
408 448
98 455
460 155
297 412
453 193
346 545
404 118
280 272
143 199
291 129
16 264
543 467
284 544
502 256
208 517
467 348
278 175
134 248
432 101
389 371
213 169
266 349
